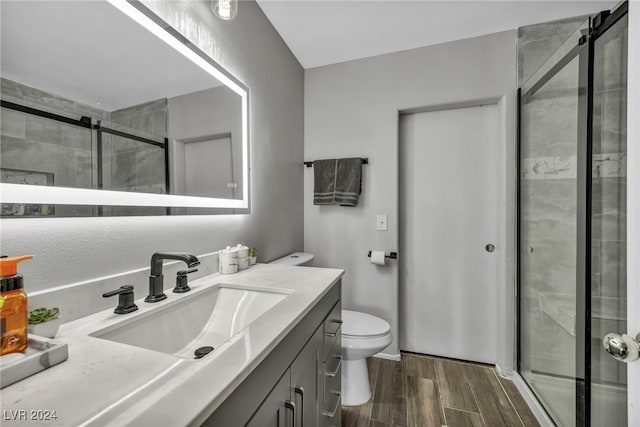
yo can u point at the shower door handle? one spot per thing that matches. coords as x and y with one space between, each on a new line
623 347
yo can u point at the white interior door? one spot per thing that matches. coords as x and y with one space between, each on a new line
448 215
210 171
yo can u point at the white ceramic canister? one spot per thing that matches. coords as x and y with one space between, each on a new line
243 257
228 261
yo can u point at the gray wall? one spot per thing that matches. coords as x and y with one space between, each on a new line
71 250
351 109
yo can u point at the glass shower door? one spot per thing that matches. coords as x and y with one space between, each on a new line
572 286
551 328
608 223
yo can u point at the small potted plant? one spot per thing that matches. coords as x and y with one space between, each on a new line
44 322
253 256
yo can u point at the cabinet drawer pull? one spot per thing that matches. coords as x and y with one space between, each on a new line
292 407
335 410
334 333
300 390
335 371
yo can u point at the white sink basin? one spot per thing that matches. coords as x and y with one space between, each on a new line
206 318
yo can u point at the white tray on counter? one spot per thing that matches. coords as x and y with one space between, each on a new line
41 353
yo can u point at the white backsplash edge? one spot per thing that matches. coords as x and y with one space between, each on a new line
81 299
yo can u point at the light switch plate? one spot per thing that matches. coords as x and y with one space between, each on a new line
381 223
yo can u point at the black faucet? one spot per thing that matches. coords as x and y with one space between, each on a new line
156 282
125 299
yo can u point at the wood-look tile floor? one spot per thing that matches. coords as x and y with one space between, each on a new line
425 391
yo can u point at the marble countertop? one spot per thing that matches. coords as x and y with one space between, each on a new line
109 383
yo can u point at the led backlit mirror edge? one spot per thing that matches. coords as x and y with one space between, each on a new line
33 194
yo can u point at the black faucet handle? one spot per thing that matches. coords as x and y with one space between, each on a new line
182 284
125 300
124 289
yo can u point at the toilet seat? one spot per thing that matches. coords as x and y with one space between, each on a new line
362 325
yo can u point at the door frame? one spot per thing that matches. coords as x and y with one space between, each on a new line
506 237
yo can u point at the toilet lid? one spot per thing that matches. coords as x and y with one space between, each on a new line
357 324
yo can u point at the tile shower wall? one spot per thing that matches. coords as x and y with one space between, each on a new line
536 43
31 143
137 166
548 196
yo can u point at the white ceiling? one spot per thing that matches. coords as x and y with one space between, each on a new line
321 32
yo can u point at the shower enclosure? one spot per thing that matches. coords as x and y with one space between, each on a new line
572 225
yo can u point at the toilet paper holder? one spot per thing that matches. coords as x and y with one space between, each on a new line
392 255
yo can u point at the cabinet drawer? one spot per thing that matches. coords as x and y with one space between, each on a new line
332 331
331 410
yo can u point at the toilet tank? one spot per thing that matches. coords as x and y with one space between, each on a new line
296 258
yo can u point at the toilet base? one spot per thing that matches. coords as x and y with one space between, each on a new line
355 382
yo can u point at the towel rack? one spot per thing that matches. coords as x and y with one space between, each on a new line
365 161
392 255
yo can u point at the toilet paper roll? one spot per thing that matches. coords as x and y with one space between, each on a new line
378 258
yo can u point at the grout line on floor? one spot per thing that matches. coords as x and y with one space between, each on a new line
477 404
461 410
509 399
436 387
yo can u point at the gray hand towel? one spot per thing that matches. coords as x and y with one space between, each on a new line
348 181
324 181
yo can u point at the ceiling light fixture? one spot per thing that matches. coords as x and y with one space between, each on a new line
225 9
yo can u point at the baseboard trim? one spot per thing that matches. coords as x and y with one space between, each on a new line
532 401
394 357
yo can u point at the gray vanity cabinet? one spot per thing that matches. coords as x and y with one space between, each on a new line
294 401
306 382
277 409
290 387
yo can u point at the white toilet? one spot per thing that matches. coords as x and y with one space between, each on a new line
363 335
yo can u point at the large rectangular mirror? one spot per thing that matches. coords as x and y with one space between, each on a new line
107 111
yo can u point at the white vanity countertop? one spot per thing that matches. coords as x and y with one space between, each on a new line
108 383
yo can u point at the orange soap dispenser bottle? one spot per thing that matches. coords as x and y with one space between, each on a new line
13 306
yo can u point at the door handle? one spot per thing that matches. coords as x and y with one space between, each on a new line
300 390
337 407
334 333
292 407
623 347
490 247
335 371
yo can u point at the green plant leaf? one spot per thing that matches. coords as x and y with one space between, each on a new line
43 314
